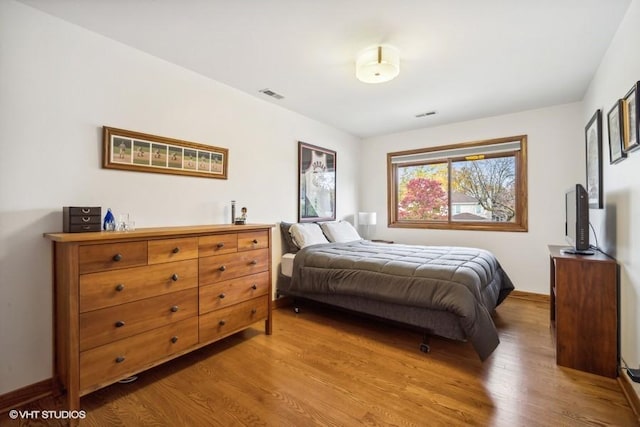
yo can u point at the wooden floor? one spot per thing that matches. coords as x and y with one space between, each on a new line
328 368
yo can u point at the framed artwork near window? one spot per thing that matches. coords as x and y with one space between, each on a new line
616 132
593 141
631 122
316 183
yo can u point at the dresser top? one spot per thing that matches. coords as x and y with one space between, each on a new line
155 232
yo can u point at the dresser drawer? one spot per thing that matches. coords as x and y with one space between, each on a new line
217 244
224 267
109 288
229 292
168 250
253 240
111 362
220 323
82 211
84 220
82 228
103 326
110 256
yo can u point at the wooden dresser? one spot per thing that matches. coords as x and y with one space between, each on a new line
128 301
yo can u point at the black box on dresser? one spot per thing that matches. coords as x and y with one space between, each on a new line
79 219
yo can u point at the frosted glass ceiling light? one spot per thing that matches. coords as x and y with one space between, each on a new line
378 64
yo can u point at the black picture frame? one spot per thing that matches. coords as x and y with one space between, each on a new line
317 168
616 132
631 120
593 146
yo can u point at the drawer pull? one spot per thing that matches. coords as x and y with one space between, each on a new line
119 359
222 322
174 339
255 241
86 210
119 324
120 287
254 286
117 257
175 250
222 268
174 277
174 309
221 296
253 262
220 245
254 311
86 219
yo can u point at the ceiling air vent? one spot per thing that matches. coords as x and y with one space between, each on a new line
429 113
271 93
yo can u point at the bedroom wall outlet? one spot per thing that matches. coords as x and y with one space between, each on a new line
634 374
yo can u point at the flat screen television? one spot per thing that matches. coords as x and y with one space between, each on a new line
577 220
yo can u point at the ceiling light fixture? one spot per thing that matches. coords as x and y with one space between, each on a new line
378 64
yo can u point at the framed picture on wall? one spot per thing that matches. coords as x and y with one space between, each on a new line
616 131
631 105
593 141
142 152
316 183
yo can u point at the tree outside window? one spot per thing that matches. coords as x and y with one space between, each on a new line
480 185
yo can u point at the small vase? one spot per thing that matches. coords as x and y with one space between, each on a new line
109 223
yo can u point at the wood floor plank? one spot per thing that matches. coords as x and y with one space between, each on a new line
329 368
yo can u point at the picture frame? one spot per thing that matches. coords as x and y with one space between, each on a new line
631 120
616 132
141 152
317 168
593 146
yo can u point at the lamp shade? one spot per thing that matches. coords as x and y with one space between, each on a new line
378 64
367 218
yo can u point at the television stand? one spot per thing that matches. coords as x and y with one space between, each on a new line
572 251
584 311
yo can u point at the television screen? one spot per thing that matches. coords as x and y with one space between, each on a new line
577 220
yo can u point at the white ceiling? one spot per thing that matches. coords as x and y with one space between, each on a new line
464 59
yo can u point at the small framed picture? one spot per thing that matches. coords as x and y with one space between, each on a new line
631 105
616 132
593 141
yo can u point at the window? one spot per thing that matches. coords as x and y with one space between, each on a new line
475 186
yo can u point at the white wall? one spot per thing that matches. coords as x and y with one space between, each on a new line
556 161
618 224
59 84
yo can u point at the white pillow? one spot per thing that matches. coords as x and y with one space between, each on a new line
341 231
305 234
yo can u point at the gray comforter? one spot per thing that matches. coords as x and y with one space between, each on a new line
468 282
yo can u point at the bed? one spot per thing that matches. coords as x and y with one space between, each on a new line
444 291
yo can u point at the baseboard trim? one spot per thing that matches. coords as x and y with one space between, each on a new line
630 393
530 296
27 394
